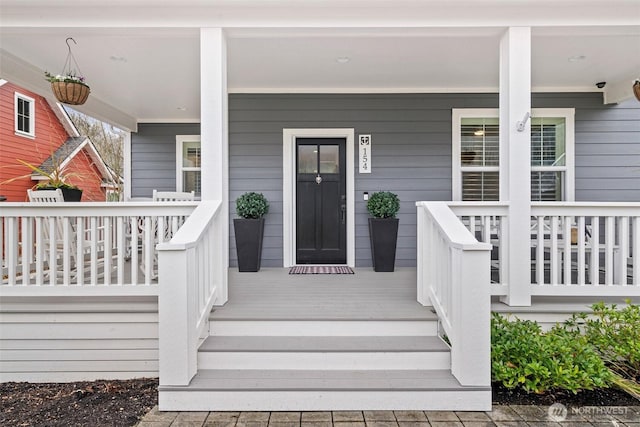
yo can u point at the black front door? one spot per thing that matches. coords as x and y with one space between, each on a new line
321 204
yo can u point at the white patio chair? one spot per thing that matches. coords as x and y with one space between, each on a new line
173 196
71 240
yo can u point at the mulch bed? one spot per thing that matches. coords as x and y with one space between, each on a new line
92 403
598 397
124 402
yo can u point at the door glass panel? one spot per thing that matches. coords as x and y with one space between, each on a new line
307 159
329 159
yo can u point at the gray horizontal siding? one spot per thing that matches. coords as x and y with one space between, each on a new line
153 156
411 136
78 338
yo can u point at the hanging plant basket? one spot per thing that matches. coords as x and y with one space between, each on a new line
71 93
69 87
636 89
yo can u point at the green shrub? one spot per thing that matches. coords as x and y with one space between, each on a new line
252 205
615 335
383 204
522 355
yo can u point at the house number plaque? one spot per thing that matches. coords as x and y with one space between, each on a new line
365 153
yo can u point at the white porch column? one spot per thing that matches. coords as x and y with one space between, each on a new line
214 135
515 159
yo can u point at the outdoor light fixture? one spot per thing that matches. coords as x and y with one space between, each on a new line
636 88
521 125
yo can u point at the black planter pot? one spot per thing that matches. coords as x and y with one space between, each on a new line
249 234
70 194
383 233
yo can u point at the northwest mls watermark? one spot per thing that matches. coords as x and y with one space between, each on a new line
559 412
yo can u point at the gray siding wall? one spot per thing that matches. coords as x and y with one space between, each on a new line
59 339
153 156
411 137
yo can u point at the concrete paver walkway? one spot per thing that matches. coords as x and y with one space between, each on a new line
500 416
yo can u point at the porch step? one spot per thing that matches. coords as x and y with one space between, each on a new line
315 390
324 352
427 326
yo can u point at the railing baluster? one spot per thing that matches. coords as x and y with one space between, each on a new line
66 251
25 250
93 224
106 250
555 272
581 252
595 251
636 251
39 257
566 230
133 221
609 242
80 250
53 264
623 251
540 251
486 229
120 249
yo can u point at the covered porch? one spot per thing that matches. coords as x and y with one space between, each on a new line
240 78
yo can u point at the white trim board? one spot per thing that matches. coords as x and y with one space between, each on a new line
289 194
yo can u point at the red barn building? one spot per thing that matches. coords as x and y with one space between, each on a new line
40 133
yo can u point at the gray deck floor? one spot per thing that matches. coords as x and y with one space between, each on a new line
274 294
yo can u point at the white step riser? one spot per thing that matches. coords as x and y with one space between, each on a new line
322 328
325 361
440 400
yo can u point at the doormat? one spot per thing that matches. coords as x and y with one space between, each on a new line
320 269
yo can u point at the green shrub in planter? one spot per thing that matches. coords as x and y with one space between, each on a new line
252 205
383 204
249 229
383 229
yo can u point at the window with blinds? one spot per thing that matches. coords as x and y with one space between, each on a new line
548 158
479 158
477 170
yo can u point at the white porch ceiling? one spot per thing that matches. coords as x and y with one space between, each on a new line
153 73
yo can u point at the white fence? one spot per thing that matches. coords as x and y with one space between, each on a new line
193 277
585 249
84 248
453 276
577 249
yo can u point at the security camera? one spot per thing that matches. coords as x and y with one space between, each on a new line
600 85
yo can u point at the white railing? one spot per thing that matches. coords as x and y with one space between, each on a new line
487 222
586 249
454 277
84 248
192 279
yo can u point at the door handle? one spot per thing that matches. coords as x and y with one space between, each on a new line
343 213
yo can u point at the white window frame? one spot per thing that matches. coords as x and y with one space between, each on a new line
457 114
180 140
32 116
